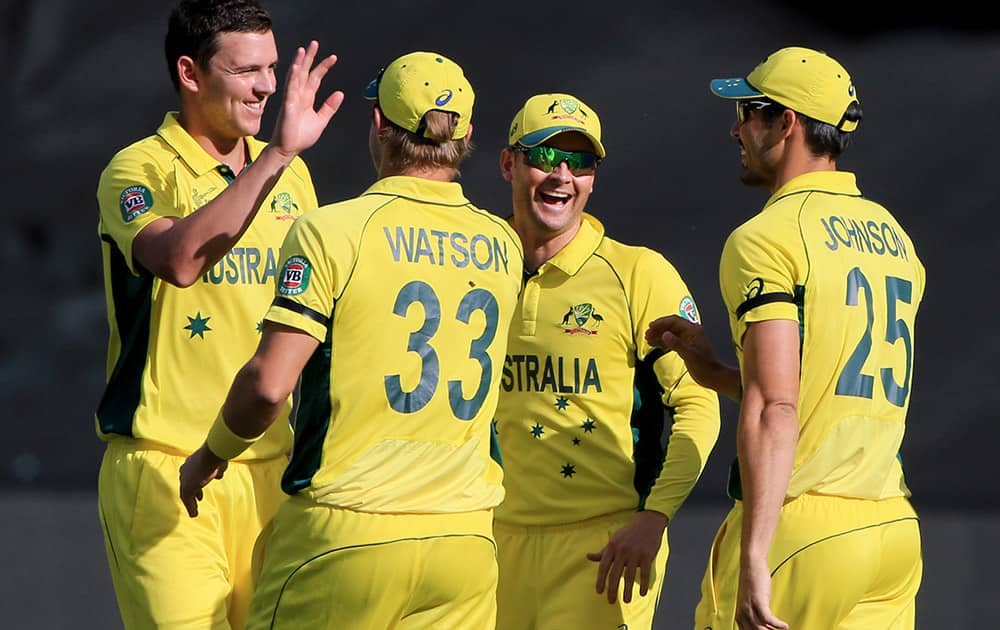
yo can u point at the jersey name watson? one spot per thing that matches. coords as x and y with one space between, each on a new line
437 247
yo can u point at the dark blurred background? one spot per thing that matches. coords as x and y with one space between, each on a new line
86 79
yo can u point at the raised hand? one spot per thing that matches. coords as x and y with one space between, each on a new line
299 125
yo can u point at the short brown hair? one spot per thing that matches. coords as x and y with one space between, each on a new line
194 27
433 149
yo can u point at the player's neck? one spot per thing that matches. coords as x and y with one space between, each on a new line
800 164
226 150
437 174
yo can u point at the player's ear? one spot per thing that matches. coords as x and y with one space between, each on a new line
507 164
187 73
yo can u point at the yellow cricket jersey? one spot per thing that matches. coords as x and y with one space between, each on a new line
845 270
410 290
173 352
581 420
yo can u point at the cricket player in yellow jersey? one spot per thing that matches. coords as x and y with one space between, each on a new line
822 288
191 221
586 402
394 307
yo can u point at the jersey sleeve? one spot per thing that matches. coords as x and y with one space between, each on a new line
301 171
759 273
695 409
133 191
315 261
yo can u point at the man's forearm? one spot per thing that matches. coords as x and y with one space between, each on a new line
766 449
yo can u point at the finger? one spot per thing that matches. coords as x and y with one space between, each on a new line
670 341
310 54
190 504
629 584
768 619
316 74
614 578
300 54
330 106
602 570
645 577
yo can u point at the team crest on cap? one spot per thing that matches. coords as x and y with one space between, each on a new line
294 276
689 310
581 318
570 108
283 206
135 200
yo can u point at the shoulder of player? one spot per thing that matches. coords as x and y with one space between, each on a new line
151 149
629 259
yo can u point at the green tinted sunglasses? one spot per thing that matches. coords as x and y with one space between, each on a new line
548 159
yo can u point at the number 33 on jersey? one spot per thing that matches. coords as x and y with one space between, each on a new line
410 290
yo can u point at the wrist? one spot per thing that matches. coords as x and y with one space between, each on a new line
281 156
225 444
655 516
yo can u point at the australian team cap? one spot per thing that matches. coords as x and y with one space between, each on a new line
419 82
545 115
805 80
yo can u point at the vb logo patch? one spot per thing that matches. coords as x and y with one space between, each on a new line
581 318
135 200
294 276
689 310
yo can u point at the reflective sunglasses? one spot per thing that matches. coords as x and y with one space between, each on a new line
548 159
743 108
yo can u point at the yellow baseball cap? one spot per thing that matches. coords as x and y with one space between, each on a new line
419 82
805 80
545 115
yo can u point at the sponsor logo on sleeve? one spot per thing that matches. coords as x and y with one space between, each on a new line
754 288
135 200
294 276
689 310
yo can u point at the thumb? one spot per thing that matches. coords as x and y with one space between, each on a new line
595 556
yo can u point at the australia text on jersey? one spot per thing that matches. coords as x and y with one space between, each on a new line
244 265
437 247
864 236
529 372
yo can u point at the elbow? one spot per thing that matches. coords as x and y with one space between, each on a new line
269 388
177 270
272 395
182 271
179 279
782 416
